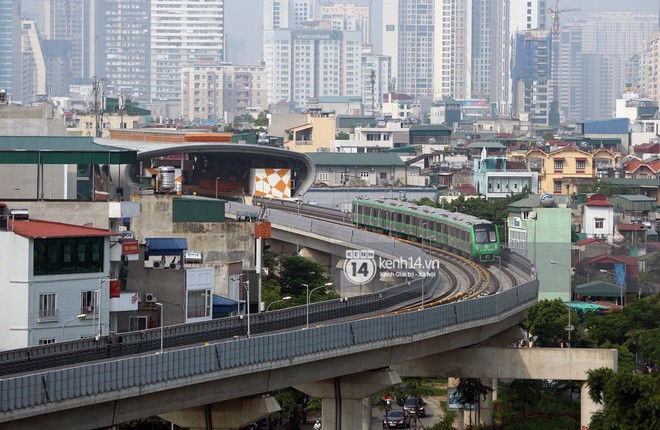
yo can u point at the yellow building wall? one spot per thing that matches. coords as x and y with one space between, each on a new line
322 136
569 170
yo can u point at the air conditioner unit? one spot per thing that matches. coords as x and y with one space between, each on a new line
150 298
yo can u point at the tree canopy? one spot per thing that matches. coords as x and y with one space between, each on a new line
548 319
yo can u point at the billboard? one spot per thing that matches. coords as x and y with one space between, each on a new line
271 183
453 403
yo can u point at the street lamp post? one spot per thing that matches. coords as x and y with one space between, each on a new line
309 294
160 305
423 256
278 301
569 327
79 317
246 284
216 186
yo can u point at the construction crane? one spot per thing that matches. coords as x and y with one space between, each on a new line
554 106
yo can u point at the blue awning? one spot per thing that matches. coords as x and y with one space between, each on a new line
223 301
166 246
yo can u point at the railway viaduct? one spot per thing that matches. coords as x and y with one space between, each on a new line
221 385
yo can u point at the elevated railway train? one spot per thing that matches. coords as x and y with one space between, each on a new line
455 231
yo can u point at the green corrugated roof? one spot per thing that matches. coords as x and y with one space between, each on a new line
403 149
61 150
426 127
346 159
631 182
487 145
636 198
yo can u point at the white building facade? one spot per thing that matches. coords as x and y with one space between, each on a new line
598 220
183 34
301 64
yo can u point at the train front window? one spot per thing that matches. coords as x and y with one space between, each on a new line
485 234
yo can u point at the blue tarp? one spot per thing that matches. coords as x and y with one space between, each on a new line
223 306
166 246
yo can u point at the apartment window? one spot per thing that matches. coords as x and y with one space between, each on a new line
323 176
137 323
559 164
47 309
88 302
199 303
599 222
47 341
68 255
557 186
364 176
580 164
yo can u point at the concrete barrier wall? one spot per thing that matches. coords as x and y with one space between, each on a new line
246 355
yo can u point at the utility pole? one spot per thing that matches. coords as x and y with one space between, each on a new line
553 118
98 107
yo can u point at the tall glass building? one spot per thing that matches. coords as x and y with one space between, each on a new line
10 43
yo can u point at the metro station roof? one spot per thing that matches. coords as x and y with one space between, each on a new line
61 150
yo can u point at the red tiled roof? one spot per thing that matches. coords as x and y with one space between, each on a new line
41 229
647 148
599 203
630 227
590 240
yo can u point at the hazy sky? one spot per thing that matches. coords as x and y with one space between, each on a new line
244 18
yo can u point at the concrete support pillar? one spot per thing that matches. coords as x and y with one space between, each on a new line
346 401
587 406
230 414
486 407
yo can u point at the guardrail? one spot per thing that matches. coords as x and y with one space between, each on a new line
123 344
243 356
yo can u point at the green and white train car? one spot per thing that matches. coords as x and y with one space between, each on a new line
466 234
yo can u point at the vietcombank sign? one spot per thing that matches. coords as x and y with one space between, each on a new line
317 35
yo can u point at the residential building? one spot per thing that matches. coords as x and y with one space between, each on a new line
315 134
74 21
373 138
499 177
609 40
289 14
543 234
58 66
531 77
123 53
359 170
527 15
649 78
638 169
564 170
33 71
401 107
183 34
612 128
570 74
10 48
303 64
376 78
598 218
62 269
446 111
348 16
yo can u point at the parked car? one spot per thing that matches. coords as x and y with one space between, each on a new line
415 405
396 420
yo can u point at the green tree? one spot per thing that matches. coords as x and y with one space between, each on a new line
296 271
292 403
342 135
547 319
262 120
609 189
526 393
630 400
633 329
470 392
